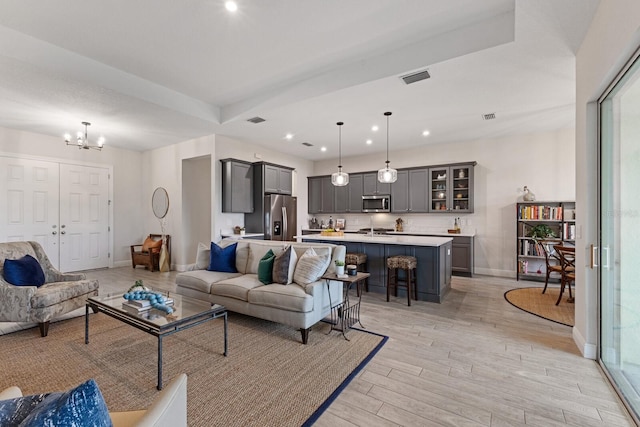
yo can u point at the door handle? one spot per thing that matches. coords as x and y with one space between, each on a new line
594 252
54 232
605 261
284 223
63 232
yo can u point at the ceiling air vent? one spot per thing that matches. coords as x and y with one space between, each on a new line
256 120
416 77
489 116
307 144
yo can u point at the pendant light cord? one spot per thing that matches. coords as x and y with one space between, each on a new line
387 114
340 145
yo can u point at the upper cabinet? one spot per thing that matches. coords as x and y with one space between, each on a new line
451 188
409 194
349 197
321 195
274 179
237 186
371 185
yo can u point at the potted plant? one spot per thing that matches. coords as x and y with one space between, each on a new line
541 232
339 268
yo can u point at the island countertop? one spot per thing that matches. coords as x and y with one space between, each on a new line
384 239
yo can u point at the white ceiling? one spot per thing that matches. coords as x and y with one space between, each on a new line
150 73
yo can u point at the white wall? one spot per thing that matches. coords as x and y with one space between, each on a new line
611 40
543 162
196 205
127 178
163 168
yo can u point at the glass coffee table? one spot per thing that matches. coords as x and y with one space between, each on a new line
188 312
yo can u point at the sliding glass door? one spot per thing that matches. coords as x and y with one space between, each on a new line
619 223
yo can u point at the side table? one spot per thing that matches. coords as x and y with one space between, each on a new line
346 314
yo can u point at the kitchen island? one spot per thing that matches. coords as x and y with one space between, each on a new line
433 274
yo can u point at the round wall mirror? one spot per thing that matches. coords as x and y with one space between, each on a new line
160 202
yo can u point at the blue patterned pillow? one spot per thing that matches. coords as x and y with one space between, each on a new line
223 259
82 406
25 271
14 411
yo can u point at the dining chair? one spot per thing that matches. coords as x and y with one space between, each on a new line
552 261
567 256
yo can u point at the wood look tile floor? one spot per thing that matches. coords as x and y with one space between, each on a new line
473 360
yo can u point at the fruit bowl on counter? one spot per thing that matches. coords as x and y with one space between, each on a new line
331 232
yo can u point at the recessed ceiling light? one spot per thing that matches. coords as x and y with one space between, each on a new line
231 6
323 149
289 136
369 142
374 128
425 133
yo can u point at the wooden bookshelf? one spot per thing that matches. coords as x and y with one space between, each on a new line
559 216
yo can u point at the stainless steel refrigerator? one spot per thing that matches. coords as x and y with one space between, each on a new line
276 217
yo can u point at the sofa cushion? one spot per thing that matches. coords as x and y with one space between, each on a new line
237 287
54 293
223 259
286 297
25 271
265 268
257 251
310 267
81 406
242 252
201 280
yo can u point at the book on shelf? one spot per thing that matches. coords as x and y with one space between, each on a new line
540 212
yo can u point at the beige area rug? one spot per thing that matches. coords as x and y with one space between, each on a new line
268 378
533 301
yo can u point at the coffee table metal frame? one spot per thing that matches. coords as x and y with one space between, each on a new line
346 314
99 304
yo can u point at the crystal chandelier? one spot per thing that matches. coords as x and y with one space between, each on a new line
340 179
387 175
82 140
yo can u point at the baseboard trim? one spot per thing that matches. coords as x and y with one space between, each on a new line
589 351
498 273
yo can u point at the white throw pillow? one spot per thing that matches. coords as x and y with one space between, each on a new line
310 267
203 256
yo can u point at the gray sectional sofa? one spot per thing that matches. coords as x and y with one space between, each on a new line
300 305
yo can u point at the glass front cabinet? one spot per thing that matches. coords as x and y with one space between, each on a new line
451 188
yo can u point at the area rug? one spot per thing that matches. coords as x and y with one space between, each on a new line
268 378
533 301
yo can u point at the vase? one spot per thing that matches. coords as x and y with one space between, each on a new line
339 270
164 259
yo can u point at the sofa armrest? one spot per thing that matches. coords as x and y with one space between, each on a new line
12 392
15 302
168 409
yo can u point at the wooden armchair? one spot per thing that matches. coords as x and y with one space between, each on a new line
148 253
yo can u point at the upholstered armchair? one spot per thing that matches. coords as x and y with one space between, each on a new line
60 293
148 253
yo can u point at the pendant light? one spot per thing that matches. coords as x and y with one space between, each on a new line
387 175
339 179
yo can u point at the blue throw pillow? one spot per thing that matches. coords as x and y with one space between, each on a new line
14 411
25 271
223 260
82 406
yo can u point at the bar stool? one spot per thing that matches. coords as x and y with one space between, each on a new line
408 264
360 261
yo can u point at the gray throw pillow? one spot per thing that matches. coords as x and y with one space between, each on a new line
281 266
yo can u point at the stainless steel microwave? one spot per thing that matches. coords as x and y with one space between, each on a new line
376 203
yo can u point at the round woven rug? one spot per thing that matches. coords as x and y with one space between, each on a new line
533 301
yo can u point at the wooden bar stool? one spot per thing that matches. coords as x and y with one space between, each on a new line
408 264
360 261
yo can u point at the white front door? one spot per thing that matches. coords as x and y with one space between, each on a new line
29 203
84 217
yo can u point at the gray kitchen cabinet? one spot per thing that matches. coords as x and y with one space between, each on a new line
409 194
462 256
276 179
451 188
371 185
321 194
349 197
237 186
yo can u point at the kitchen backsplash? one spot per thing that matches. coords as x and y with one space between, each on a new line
417 223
